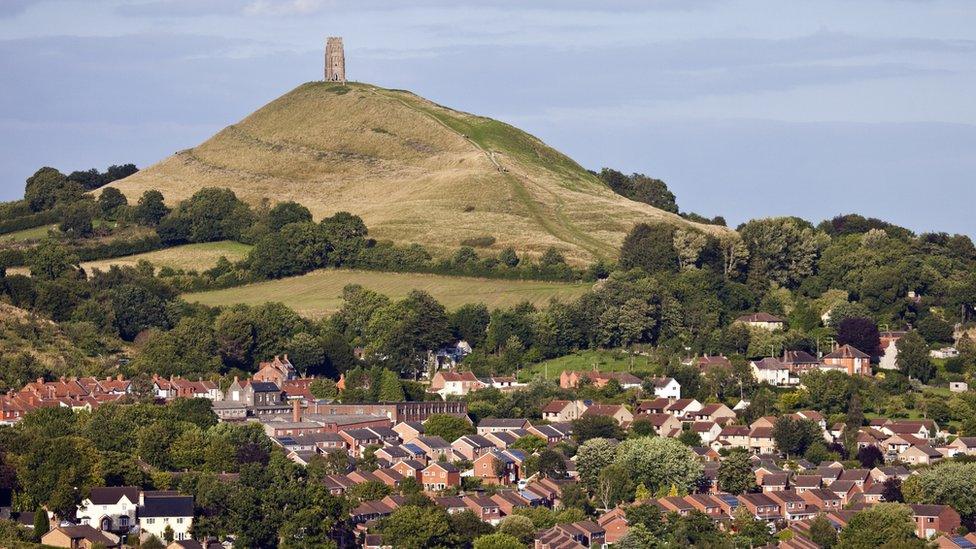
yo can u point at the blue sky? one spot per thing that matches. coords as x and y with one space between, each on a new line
746 108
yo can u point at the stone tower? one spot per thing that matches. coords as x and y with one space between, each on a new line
335 60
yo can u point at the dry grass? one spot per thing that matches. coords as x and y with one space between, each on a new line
318 293
188 257
412 169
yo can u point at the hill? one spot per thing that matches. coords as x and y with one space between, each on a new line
318 293
413 170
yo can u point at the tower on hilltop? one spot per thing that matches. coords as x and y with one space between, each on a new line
335 60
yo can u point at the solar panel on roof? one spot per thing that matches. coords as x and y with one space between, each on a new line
963 542
729 499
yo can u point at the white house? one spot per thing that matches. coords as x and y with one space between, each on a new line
773 371
666 387
157 510
110 509
945 352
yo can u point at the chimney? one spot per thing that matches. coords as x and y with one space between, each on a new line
119 377
296 411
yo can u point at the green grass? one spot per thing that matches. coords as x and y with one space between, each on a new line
35 233
318 293
604 360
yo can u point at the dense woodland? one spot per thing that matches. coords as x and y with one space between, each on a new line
673 293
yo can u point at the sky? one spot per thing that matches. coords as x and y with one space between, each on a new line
746 108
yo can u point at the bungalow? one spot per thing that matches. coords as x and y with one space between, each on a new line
706 362
79 537
762 321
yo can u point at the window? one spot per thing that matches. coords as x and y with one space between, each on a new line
150 521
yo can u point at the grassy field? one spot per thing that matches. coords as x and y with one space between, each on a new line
190 256
416 172
318 293
604 360
36 233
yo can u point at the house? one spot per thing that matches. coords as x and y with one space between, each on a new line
571 379
684 408
716 412
735 436
706 362
708 431
773 482
484 507
850 360
761 440
762 321
495 425
823 499
921 454
410 468
278 371
710 505
79 537
888 349
450 383
585 533
665 425
954 541
880 474
656 406
553 433
433 447
157 510
931 520
564 410
614 523
621 414
944 353
802 483
793 506
194 544
110 509
773 371
499 466
438 476
409 430
958 386
965 446
357 440
472 446
665 387
504 439
502 383
761 506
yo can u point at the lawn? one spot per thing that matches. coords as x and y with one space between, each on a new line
604 360
35 233
318 293
187 257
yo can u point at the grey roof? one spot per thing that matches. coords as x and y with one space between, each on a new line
102 495
264 387
167 506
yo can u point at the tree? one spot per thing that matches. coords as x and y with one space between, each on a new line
948 484
449 428
588 427
469 322
735 474
794 436
51 260
152 543
498 540
783 250
637 537
884 523
891 491
76 221
870 456
649 247
49 187
552 464
508 257
690 438
689 245
613 485
822 532
41 523
734 253
593 456
530 444
750 528
110 201
412 527
390 388
403 333
659 462
913 357
168 534
306 353
287 212
518 527
323 388
150 209
641 188
859 332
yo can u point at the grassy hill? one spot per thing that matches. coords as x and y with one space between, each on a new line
318 293
415 171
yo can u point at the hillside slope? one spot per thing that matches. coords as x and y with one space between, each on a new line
413 170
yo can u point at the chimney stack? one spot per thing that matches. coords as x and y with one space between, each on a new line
296 411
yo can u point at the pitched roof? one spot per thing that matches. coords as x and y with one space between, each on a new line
101 495
167 506
847 351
